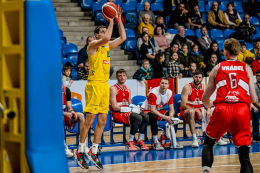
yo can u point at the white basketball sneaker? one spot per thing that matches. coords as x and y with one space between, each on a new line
68 153
178 146
195 143
221 142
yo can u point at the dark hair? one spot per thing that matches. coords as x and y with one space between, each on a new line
198 72
85 61
213 42
165 78
195 5
97 29
214 54
184 45
194 45
180 4
157 57
88 38
143 34
232 46
144 60
175 44
258 71
230 3
66 67
203 27
256 42
242 44
155 30
121 71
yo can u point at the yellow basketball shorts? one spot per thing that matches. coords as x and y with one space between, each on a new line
97 98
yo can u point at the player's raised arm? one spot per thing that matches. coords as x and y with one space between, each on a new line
122 38
252 92
106 32
210 88
184 97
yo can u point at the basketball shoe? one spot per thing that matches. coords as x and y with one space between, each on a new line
94 159
130 146
68 153
141 145
178 146
195 143
221 142
158 146
86 150
81 160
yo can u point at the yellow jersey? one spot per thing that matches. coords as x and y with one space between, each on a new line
99 64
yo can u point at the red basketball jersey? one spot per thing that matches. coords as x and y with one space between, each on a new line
232 83
122 97
194 99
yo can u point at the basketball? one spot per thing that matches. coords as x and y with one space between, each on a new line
109 9
249 60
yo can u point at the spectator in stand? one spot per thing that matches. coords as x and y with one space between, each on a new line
184 57
151 41
146 10
252 8
195 19
246 29
245 54
145 72
174 48
177 16
256 63
180 39
83 52
189 4
161 40
173 68
216 17
66 78
212 50
232 16
204 41
196 58
256 47
255 110
191 70
84 71
211 64
159 22
146 24
146 50
158 67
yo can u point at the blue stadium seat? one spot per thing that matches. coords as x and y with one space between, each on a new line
133 13
177 102
201 6
128 7
99 18
159 2
70 51
254 20
96 6
222 7
74 77
77 106
238 3
69 48
87 4
249 46
167 20
220 41
208 8
198 33
228 32
130 33
61 33
63 40
172 31
242 15
189 32
130 44
118 2
210 2
257 35
216 33
238 8
156 7
138 100
109 123
71 59
204 16
139 7
224 3
142 1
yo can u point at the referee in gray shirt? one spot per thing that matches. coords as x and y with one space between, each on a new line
255 110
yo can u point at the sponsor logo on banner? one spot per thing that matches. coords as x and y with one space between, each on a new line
76 96
105 62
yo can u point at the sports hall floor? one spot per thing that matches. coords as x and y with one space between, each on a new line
186 160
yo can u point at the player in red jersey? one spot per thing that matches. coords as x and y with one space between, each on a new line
234 83
191 103
120 98
157 98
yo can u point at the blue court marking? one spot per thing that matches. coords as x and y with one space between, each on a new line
121 157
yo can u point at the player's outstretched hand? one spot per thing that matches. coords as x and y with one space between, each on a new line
107 18
119 13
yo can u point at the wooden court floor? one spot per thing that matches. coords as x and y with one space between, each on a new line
222 164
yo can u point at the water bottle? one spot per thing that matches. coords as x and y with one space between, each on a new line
162 139
198 134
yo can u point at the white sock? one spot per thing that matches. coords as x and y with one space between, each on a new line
140 137
155 139
131 137
86 143
81 148
194 136
94 148
205 168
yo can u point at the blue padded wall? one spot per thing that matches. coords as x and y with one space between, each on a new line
44 121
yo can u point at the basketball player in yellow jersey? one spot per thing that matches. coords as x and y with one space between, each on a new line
97 89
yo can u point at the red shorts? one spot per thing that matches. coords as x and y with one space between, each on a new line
122 117
231 117
67 123
183 117
161 111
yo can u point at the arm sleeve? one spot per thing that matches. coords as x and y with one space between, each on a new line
68 94
169 70
210 19
152 17
64 82
239 17
152 99
140 27
202 45
139 43
224 18
140 20
156 46
137 75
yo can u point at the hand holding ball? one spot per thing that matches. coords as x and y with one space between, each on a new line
109 10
